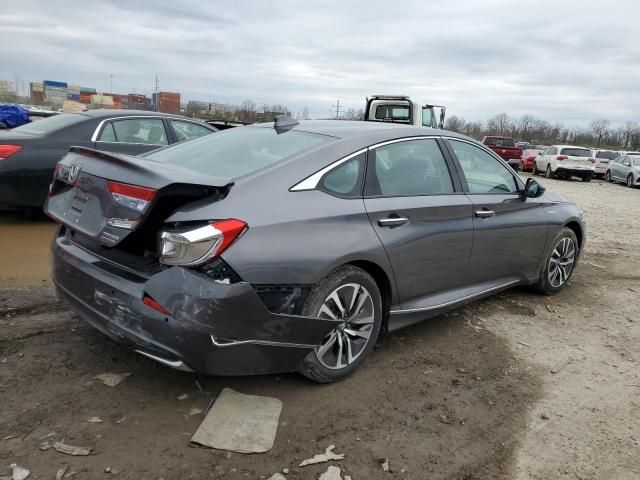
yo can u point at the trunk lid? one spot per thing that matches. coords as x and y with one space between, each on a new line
113 199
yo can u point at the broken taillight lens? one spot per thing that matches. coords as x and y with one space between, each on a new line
196 246
132 196
7 150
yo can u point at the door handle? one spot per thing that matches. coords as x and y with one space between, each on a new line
393 221
484 213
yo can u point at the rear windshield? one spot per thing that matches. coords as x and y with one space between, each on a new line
499 142
576 152
238 151
392 112
607 155
50 124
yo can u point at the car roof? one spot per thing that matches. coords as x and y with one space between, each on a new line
110 112
345 129
571 146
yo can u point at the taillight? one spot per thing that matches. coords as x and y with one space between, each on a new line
592 160
531 159
562 157
194 247
7 150
132 196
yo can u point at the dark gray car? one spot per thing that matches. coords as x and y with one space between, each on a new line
286 247
28 154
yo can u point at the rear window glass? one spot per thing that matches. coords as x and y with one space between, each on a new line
499 142
50 124
607 155
576 152
238 151
392 112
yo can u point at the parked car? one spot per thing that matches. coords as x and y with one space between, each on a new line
603 157
524 145
528 159
506 148
267 248
625 169
28 154
566 161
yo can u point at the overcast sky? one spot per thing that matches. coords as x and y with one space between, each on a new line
560 60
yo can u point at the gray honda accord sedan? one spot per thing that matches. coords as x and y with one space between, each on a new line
291 246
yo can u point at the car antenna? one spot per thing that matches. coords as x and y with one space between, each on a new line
284 123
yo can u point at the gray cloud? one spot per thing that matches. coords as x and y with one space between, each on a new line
559 60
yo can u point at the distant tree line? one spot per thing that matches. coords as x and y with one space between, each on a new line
528 128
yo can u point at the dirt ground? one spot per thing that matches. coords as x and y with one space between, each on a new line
468 395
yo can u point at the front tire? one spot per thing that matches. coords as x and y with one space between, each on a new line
351 296
559 263
587 178
607 176
630 180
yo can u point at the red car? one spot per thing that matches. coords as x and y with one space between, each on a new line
506 148
528 159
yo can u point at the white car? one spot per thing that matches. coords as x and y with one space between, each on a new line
566 161
624 169
603 157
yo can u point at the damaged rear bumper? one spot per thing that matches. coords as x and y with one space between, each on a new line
213 328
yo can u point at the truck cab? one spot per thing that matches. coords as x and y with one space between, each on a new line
401 109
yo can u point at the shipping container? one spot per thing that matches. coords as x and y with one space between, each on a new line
88 90
37 97
101 100
51 83
73 96
36 87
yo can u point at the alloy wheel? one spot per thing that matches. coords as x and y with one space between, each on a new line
562 261
352 304
549 174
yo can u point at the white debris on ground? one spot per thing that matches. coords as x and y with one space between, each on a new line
384 463
195 411
184 396
112 379
277 476
240 423
71 450
95 420
18 472
332 473
327 456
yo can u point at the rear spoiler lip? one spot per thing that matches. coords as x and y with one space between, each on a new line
134 162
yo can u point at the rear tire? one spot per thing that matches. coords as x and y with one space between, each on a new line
559 264
359 306
607 176
549 173
534 169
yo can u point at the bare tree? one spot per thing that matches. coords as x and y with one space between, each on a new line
455 124
499 124
627 132
305 113
600 128
525 127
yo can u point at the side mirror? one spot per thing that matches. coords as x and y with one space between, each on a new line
533 188
627 164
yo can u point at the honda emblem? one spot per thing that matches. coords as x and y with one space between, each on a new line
74 170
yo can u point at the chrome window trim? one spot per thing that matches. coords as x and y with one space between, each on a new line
311 182
452 302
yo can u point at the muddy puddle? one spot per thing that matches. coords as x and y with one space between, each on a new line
24 250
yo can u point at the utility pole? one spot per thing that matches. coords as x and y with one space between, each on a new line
338 107
157 100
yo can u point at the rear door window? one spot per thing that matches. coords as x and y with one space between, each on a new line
148 131
414 167
483 172
188 130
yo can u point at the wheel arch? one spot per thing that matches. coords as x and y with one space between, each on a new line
382 281
577 229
